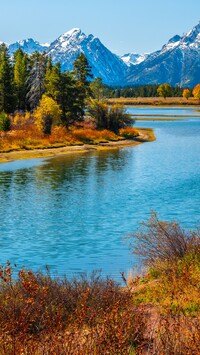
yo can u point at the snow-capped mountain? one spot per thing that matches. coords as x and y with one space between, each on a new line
104 64
65 49
177 63
133 58
29 46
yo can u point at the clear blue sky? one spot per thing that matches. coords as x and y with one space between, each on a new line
122 26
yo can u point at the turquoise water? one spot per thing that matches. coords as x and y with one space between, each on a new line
164 111
73 212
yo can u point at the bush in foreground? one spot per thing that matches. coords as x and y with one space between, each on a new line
41 315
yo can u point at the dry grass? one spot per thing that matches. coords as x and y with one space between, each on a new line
155 101
30 137
27 136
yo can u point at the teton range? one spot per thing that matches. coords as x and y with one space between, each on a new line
177 62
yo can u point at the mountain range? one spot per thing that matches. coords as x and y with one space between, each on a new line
177 62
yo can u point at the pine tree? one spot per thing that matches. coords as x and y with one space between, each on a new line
82 73
53 80
7 100
20 78
62 87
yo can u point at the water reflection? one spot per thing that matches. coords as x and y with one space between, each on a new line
72 212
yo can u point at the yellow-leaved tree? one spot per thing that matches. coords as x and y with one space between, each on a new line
47 114
196 92
186 93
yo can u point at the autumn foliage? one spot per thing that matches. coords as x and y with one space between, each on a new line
41 315
196 92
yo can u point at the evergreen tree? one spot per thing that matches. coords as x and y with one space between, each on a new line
82 73
36 79
4 122
69 100
61 87
7 101
53 80
20 78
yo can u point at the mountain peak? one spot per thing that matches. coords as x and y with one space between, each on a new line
177 62
192 38
74 31
28 45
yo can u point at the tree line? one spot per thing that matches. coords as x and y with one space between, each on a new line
25 79
34 84
143 91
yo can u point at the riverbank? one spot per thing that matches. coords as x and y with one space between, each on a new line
145 135
155 101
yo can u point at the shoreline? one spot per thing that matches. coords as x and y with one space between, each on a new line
146 135
155 101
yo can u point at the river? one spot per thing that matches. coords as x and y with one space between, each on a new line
73 213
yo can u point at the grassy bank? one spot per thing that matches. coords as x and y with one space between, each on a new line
155 101
156 313
30 143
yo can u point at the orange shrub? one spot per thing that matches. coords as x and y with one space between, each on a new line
93 136
41 315
21 120
129 132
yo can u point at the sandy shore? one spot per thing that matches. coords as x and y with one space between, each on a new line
146 135
51 152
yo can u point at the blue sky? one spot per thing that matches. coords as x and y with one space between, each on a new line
122 25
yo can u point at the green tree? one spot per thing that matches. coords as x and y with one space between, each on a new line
7 101
53 80
20 78
106 117
164 90
62 87
4 122
82 73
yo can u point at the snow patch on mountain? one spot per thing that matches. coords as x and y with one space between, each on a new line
133 58
104 64
27 45
177 63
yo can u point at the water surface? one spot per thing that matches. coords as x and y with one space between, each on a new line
73 212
